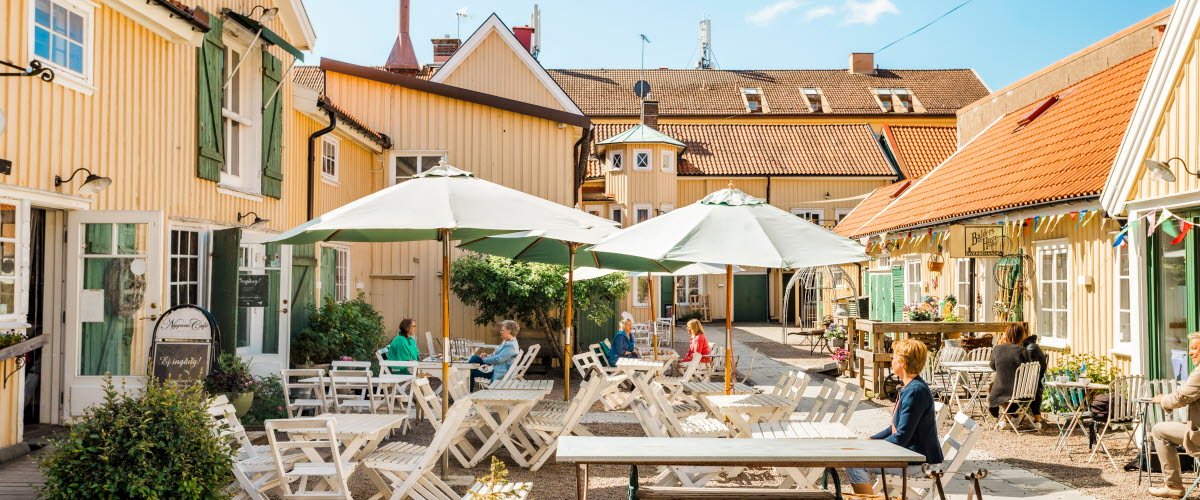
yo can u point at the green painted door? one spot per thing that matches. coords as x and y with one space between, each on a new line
591 332
304 279
879 287
750 297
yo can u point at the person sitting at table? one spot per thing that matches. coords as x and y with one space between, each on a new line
622 344
502 358
1006 358
699 344
1169 435
1035 354
404 346
914 424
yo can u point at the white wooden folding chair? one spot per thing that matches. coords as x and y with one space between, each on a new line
690 476
431 348
381 354
353 390
674 385
941 412
1025 385
1122 414
956 446
350 365
431 406
404 470
299 396
519 369
584 362
311 435
397 398
694 425
547 428
980 354
716 356
485 382
840 403
253 466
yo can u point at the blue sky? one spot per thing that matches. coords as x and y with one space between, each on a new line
1003 40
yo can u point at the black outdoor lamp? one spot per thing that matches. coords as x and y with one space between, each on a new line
1162 169
91 185
256 221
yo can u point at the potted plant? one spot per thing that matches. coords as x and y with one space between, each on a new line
836 335
842 357
232 378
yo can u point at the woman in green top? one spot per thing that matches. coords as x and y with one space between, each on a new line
404 346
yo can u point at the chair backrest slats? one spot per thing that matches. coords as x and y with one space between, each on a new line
350 365
309 434
1026 383
959 441
294 389
518 369
980 354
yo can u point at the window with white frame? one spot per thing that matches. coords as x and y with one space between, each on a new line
813 215
618 215
616 160
962 282
240 109
186 280
912 279
641 212
1053 293
900 100
641 159
1122 296
641 291
816 102
62 37
407 164
341 278
597 210
753 98
329 157
14 259
686 287
841 213
668 161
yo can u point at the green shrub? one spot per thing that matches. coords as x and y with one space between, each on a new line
352 328
268 401
154 442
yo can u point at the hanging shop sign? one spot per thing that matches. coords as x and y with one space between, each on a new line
252 290
977 240
183 338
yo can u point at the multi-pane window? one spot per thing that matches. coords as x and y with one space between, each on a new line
1123 298
962 283
754 100
813 96
912 280
641 289
641 213
329 158
187 258
341 279
238 113
618 215
61 34
616 160
686 287
408 165
641 159
813 215
896 100
1053 290
668 161
11 249
885 99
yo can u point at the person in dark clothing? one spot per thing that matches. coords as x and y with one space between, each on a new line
1006 358
1036 354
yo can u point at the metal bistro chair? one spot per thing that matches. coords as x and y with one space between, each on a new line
1122 414
1155 414
1068 406
1024 393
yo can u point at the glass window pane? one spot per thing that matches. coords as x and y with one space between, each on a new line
1124 327
75 57
428 162
41 43
1060 298
41 13
243 327
406 166
97 239
60 20
1060 324
75 31
131 239
106 346
58 54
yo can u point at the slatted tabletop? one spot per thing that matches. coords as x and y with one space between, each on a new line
364 423
386 378
970 369
750 401
639 364
523 385
802 430
496 395
872 453
716 388
431 364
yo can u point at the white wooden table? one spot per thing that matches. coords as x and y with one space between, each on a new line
633 365
974 381
958 364
509 407
719 452
802 430
360 433
715 388
543 386
745 409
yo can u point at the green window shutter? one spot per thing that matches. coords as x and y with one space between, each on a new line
210 132
272 159
897 293
328 273
226 250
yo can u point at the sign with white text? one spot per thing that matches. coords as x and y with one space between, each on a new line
186 322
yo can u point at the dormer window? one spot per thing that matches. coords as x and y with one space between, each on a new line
754 100
904 99
815 99
885 99
898 100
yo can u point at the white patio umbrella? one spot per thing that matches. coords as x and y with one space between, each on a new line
731 227
696 269
444 204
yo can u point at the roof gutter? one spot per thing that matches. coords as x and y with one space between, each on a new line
970 216
312 150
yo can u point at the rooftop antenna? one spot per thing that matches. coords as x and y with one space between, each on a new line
535 20
706 56
644 42
461 14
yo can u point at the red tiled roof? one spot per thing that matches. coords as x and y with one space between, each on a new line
919 148
608 92
867 209
769 149
1066 152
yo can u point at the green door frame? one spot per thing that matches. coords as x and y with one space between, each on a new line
1154 353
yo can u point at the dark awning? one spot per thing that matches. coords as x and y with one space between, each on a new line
268 35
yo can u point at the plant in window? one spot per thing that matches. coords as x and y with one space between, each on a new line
9 339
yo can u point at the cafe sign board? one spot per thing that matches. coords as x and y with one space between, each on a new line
977 240
183 338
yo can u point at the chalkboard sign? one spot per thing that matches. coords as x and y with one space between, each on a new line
182 360
252 290
185 322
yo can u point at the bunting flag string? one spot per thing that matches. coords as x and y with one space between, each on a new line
1187 226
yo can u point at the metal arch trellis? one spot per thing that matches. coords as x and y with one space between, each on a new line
1013 274
813 279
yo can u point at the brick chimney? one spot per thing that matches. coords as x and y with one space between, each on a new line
403 59
443 48
862 63
650 114
524 35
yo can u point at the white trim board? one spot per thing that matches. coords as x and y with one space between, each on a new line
1155 97
493 23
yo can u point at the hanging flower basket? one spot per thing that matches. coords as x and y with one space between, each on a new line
936 263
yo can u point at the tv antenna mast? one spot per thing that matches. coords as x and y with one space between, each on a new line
535 20
706 56
461 14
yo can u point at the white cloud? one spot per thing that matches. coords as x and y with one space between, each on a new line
868 11
766 15
818 12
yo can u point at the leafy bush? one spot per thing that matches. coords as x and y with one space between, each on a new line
157 442
684 318
1097 368
352 328
232 374
268 401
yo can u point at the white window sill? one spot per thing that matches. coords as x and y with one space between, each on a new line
635 169
332 181
237 192
1053 343
65 79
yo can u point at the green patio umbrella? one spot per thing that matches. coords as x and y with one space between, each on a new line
444 204
564 247
731 227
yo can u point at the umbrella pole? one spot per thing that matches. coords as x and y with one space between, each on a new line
653 315
728 329
674 307
445 234
567 352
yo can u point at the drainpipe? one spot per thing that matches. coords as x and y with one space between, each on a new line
580 150
312 141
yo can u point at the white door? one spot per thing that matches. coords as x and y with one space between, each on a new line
264 309
114 288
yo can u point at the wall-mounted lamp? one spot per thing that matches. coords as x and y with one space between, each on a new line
91 185
1162 169
267 15
826 195
256 221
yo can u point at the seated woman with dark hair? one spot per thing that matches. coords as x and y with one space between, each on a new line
404 346
1007 356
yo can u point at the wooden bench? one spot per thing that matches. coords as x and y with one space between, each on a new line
681 493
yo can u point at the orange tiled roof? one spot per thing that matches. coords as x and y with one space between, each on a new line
870 206
768 149
309 76
1066 152
919 148
608 92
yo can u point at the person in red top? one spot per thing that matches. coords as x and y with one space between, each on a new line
699 344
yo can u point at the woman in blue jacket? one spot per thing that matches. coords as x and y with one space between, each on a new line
502 358
622 344
914 422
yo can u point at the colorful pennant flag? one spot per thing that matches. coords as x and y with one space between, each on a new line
1187 226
